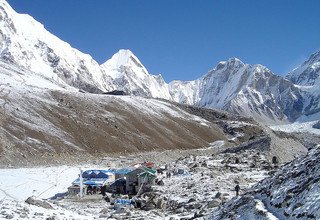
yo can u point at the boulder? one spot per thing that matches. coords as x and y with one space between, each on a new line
104 211
179 210
160 182
316 125
149 206
218 195
9 216
52 218
213 203
160 204
37 202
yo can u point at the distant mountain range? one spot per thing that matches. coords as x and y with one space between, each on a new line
249 90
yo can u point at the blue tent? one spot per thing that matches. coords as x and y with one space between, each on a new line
95 173
93 177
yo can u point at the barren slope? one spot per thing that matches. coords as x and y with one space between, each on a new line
43 122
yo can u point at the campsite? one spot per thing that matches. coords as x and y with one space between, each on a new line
190 185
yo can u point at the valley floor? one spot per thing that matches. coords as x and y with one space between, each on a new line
209 181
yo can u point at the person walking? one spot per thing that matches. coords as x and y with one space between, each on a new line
237 188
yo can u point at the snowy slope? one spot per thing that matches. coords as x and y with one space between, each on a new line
128 74
292 193
243 89
40 118
185 92
232 85
26 42
307 77
308 73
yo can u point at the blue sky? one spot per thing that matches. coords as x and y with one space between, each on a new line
183 39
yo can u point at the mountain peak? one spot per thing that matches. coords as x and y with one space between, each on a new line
308 73
231 62
123 57
235 62
315 57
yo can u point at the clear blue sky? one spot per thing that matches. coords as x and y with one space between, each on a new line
183 39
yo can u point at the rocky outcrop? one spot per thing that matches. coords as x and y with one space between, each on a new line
37 202
291 193
316 125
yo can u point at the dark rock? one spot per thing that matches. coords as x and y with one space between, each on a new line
104 211
213 203
105 216
9 216
218 195
38 214
52 218
179 210
160 182
40 203
316 125
193 206
115 92
198 215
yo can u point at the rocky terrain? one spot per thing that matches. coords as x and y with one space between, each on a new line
57 114
207 183
316 125
291 193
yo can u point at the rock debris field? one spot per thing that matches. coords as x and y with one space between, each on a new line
203 184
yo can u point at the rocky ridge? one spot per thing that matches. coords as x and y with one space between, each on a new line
290 193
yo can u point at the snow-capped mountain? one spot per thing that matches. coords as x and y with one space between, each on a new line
308 73
26 42
243 89
307 77
129 74
249 90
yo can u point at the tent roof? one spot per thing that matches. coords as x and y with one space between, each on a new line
96 174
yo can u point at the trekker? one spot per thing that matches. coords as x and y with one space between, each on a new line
237 188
